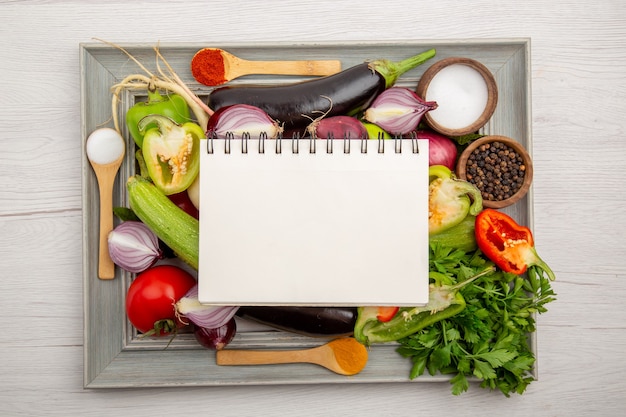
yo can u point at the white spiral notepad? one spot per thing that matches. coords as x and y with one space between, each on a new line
313 222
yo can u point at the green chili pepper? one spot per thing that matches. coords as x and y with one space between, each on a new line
444 301
171 152
173 106
449 199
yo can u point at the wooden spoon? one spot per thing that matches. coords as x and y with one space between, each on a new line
205 67
105 151
344 356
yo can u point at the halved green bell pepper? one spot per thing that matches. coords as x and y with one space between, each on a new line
461 236
173 106
450 199
171 152
444 301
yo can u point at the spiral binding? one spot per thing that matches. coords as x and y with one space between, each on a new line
296 139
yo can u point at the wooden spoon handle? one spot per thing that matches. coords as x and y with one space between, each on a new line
106 267
258 357
292 67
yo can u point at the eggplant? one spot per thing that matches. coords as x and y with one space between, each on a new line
307 321
298 104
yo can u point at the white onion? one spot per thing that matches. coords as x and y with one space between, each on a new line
202 315
133 246
398 110
193 191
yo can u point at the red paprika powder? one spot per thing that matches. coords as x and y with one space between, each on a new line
207 67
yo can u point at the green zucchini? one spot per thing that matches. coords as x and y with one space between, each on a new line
171 224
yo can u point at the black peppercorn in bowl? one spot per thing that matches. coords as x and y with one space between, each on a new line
500 167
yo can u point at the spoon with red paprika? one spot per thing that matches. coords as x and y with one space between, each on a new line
214 66
509 245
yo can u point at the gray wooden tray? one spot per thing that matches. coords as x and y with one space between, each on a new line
114 357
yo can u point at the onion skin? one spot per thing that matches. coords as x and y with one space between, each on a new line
242 119
441 149
207 316
338 127
133 246
217 338
398 110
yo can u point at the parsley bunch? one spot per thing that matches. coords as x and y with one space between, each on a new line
488 340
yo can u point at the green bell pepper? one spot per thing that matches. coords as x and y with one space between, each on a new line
444 301
173 106
461 236
171 152
449 199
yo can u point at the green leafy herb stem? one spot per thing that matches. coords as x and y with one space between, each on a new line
487 341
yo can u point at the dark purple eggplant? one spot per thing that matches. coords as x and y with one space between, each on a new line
345 93
308 321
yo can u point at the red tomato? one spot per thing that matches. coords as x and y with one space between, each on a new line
151 298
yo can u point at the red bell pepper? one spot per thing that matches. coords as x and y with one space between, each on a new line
386 313
509 245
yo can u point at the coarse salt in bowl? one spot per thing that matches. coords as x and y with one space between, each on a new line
466 94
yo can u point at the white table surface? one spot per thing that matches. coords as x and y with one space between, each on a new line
579 129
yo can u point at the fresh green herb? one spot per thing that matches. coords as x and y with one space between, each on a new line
125 214
466 139
443 301
488 340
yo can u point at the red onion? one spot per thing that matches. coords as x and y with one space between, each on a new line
398 110
202 315
217 338
241 119
337 127
441 149
133 246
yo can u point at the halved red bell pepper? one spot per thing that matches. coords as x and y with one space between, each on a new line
509 245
